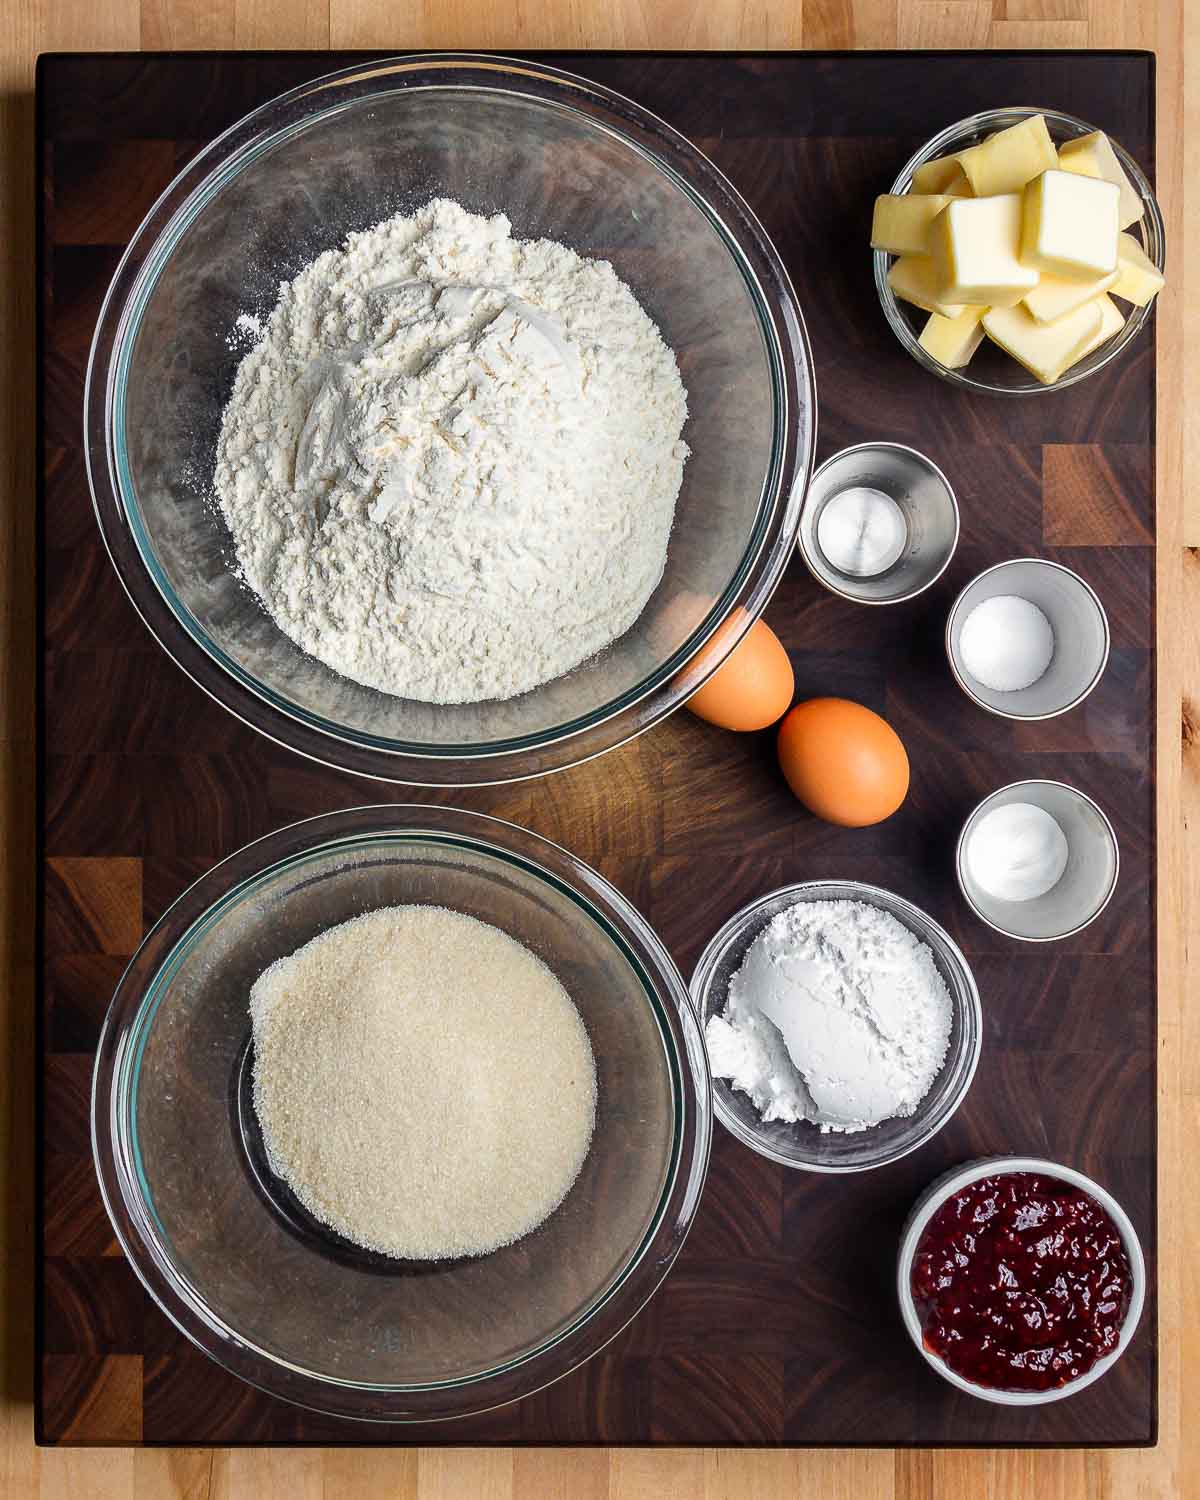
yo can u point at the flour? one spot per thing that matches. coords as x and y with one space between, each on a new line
450 466
838 1016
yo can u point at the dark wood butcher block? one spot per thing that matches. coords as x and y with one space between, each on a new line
778 1323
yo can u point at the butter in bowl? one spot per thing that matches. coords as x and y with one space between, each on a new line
1028 232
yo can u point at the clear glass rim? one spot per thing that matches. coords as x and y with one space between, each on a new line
768 550
966 1000
1154 244
139 994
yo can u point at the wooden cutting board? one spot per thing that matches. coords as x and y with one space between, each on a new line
778 1323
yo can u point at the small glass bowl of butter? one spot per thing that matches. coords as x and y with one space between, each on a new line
991 369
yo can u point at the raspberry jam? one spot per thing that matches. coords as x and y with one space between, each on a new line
1021 1282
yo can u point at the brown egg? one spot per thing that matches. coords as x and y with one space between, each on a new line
844 762
753 685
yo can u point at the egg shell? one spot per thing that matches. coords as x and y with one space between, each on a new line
753 685
845 763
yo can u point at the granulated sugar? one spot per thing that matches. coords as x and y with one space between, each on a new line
424 1083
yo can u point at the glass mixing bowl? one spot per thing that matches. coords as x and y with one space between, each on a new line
803 1145
991 371
232 1257
563 158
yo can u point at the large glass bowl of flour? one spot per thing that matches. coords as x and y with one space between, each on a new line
231 1256
566 160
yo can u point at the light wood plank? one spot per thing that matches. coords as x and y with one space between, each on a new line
851 23
944 23
736 1474
664 1474
995 1476
448 1473
1033 34
281 23
580 1473
173 1474
166 27
625 23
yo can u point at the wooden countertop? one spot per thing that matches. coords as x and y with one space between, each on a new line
117 1474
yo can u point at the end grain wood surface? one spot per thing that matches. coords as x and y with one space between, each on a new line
33 25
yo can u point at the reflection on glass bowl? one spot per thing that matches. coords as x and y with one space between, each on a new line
234 1259
565 159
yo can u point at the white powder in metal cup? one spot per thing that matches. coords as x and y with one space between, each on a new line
1006 643
861 531
424 1084
1017 852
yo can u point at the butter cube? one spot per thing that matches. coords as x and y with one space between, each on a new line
1070 225
901 222
1112 320
1093 156
952 341
915 279
1055 296
1006 161
1139 280
974 245
1045 349
937 175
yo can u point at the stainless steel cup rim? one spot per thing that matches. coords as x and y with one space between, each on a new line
875 447
973 817
960 677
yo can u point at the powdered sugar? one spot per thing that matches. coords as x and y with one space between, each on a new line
451 464
838 1015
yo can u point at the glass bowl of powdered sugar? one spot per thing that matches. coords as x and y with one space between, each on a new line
344 1223
442 412
842 1023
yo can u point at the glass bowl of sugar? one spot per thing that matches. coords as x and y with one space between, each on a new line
272 1292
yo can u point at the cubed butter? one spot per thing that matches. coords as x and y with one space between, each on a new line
936 175
1093 156
1055 296
915 279
1139 280
974 244
901 222
1006 161
1112 320
952 341
1070 225
1045 349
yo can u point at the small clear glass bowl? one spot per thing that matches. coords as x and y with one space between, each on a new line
232 1257
565 159
803 1145
991 371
